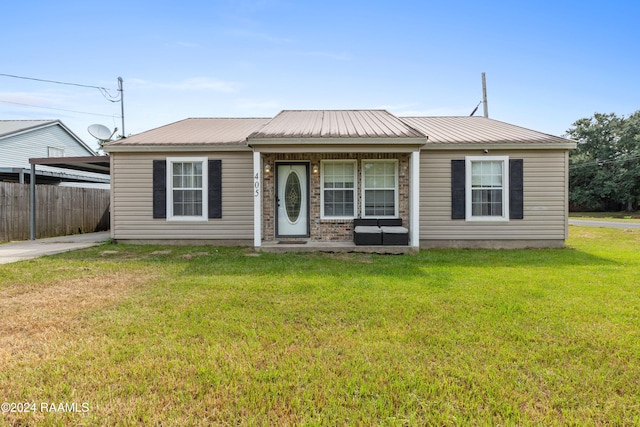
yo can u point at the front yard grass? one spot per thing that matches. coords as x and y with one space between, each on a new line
219 336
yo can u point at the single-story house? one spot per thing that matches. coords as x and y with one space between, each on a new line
305 176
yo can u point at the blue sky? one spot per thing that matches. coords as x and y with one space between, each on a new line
548 63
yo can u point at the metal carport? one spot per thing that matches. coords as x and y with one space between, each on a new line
94 164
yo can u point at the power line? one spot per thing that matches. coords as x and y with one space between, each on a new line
59 109
51 81
103 90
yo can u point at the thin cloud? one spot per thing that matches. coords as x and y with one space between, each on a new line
262 36
182 44
192 84
335 56
38 99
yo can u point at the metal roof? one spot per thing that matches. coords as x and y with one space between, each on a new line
197 131
354 125
457 130
95 164
336 124
49 176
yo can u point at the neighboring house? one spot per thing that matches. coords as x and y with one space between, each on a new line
21 140
305 176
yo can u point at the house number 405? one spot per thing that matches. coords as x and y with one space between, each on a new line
256 185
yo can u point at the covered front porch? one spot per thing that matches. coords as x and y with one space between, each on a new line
316 171
308 201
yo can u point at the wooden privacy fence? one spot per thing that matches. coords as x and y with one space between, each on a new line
60 211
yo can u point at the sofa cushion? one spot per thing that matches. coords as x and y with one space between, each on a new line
368 229
395 230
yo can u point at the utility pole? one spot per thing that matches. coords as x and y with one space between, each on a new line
121 90
484 96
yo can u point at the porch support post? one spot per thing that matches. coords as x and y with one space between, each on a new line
257 200
414 201
32 203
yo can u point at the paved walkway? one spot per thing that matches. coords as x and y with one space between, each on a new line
610 224
18 251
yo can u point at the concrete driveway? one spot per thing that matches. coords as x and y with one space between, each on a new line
18 251
610 224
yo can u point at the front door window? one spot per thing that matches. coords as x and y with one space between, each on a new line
292 201
293 196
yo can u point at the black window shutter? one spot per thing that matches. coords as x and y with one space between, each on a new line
159 189
215 188
457 189
516 189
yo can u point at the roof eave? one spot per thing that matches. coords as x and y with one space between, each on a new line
420 141
173 148
569 145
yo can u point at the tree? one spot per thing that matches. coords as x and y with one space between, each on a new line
604 170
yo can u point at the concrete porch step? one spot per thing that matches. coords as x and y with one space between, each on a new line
315 246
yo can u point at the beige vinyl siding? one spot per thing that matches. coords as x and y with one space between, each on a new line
545 199
132 210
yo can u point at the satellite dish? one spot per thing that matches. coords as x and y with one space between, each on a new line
101 132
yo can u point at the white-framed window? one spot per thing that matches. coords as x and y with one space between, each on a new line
487 188
187 188
380 188
338 183
55 152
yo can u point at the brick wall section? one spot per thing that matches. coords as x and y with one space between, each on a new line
327 229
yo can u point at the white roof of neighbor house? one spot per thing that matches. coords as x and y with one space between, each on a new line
8 127
465 129
228 131
11 128
336 124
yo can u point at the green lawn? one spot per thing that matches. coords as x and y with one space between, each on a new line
219 336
